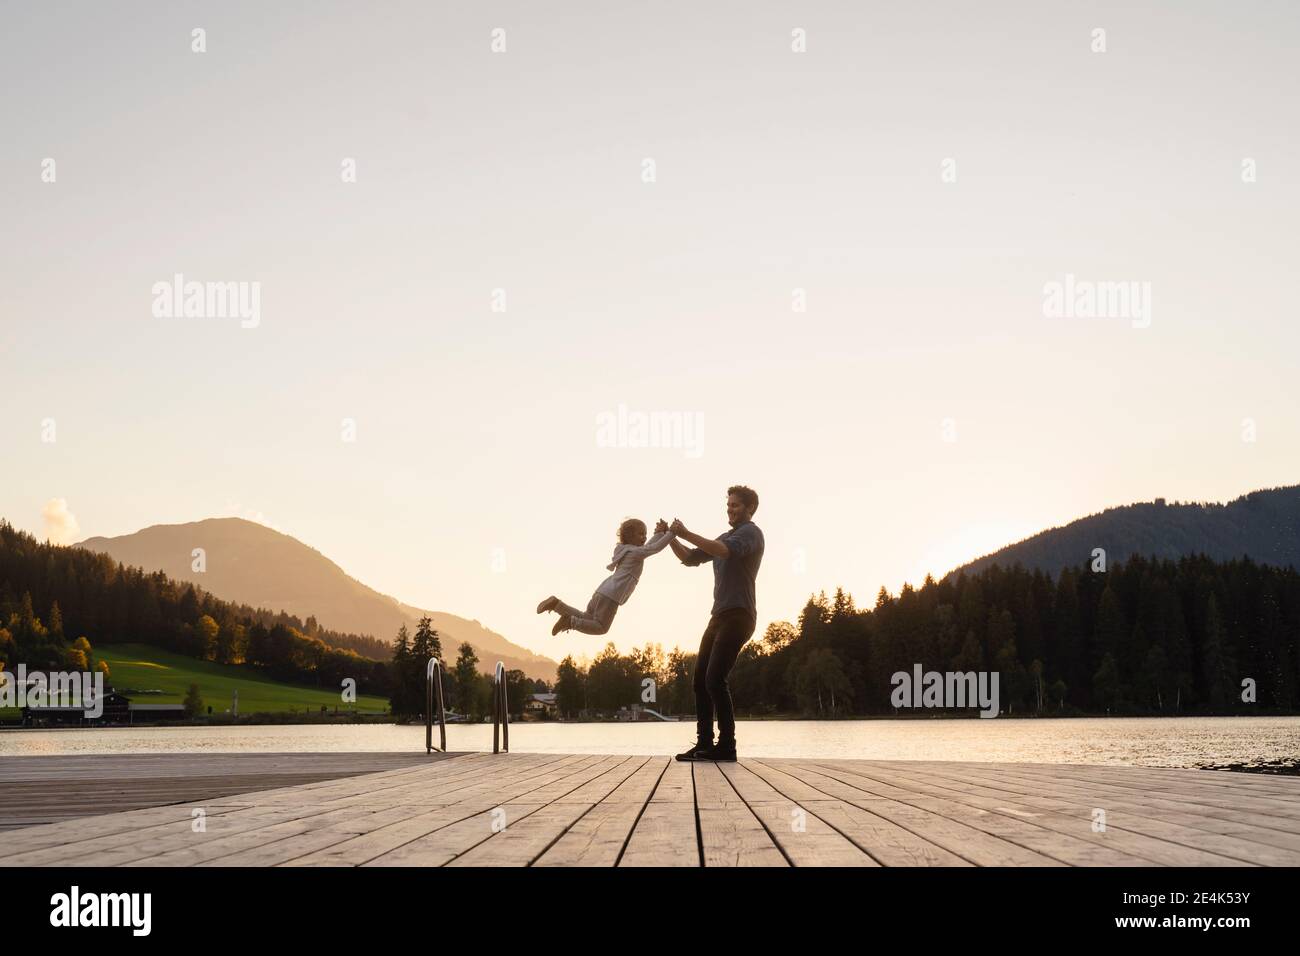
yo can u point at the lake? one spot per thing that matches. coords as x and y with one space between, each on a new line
1152 742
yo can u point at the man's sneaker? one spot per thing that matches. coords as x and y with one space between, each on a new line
693 753
547 604
724 752
561 624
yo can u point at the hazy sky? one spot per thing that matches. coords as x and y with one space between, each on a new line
477 482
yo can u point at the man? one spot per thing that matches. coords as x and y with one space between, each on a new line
735 555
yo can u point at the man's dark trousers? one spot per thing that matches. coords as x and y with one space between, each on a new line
719 647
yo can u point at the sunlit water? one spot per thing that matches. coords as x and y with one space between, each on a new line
1167 742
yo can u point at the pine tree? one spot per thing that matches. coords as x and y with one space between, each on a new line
427 643
971 657
1157 672
470 685
1106 684
1108 636
400 701
1213 657
1067 632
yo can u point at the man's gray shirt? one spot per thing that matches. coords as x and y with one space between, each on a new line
733 577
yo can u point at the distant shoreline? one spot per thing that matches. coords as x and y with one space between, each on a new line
285 719
1283 768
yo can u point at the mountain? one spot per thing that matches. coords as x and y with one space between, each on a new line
253 564
1262 525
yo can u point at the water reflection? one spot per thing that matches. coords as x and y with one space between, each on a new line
1168 742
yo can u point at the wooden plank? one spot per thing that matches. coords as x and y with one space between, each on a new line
36 790
1152 822
1012 778
446 843
1261 827
803 837
132 844
597 838
666 833
320 825
580 810
730 833
386 787
638 788
1270 811
1076 822
71 767
1206 781
121 849
443 845
883 840
46 836
502 784
599 788
977 846
332 844
1071 848
417 791
265 845
521 843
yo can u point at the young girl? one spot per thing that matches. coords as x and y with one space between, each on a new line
629 554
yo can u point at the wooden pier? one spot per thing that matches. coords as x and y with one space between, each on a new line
476 809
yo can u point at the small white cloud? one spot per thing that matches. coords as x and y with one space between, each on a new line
60 524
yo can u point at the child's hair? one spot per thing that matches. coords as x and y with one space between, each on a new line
628 527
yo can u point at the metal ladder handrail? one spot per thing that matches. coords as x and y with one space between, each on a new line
435 667
500 711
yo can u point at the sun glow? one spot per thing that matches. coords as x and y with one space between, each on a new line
965 544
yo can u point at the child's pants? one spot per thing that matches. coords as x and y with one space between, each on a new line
595 620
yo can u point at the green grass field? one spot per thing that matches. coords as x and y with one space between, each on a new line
139 667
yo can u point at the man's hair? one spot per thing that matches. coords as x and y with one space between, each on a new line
629 526
747 495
